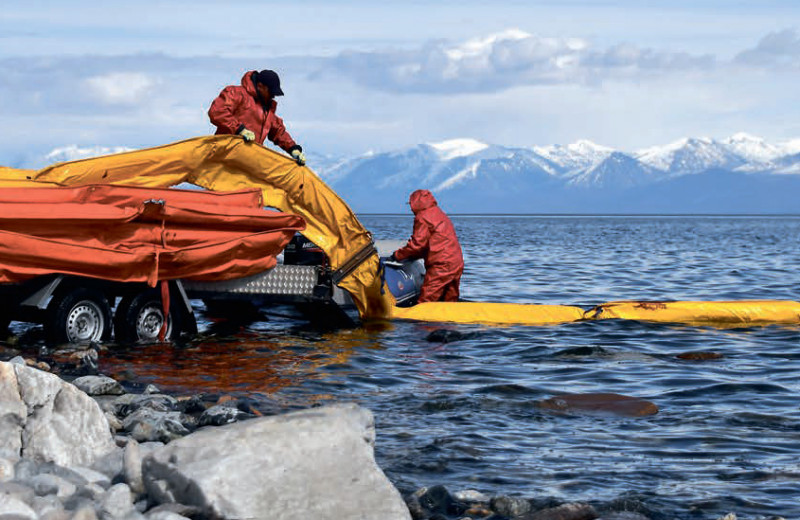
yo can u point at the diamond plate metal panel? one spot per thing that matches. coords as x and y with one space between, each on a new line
282 279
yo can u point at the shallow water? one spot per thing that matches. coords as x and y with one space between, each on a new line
463 414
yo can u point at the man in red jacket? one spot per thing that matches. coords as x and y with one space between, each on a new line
249 110
435 240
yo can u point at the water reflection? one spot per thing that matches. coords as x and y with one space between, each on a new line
462 413
245 362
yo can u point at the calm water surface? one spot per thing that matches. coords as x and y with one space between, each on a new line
463 414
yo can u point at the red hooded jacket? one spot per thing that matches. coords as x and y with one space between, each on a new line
434 237
239 107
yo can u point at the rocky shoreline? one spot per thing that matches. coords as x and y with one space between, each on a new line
75 444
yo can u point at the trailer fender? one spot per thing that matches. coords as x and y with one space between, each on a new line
41 298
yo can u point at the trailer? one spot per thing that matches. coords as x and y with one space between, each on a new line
90 261
78 309
224 163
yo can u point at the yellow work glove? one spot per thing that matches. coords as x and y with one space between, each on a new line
299 156
248 135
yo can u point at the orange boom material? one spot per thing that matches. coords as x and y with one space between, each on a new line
135 234
228 163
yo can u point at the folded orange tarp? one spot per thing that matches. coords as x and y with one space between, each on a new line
228 163
133 234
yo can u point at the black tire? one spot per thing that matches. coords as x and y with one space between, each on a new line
78 315
139 318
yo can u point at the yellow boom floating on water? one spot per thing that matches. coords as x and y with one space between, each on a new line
731 313
226 163
489 313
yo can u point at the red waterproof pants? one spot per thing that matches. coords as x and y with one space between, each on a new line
441 284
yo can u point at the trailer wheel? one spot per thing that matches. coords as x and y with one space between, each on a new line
80 315
139 318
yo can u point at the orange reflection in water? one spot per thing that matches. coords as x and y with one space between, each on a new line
244 364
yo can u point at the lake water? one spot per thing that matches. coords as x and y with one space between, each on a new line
463 414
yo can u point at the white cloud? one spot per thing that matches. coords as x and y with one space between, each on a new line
514 88
504 60
780 48
125 88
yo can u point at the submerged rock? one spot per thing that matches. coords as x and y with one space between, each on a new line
584 351
699 356
615 404
510 506
316 463
623 515
471 495
437 500
448 336
564 512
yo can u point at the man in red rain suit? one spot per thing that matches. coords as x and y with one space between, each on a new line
435 240
249 110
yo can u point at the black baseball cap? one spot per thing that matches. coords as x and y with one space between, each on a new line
270 79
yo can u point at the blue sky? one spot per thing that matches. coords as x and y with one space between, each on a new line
375 76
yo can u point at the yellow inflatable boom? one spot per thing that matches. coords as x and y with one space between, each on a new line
489 313
226 163
738 313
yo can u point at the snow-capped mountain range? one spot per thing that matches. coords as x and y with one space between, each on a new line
738 174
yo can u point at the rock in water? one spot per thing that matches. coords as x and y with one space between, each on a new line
317 463
510 506
437 500
99 385
600 403
699 356
43 417
448 336
623 515
564 512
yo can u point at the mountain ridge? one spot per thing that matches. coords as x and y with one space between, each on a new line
581 177
739 174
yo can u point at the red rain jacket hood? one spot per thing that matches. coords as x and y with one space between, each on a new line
239 107
420 200
434 237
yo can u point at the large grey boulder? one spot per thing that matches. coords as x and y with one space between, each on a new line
45 418
12 412
317 463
